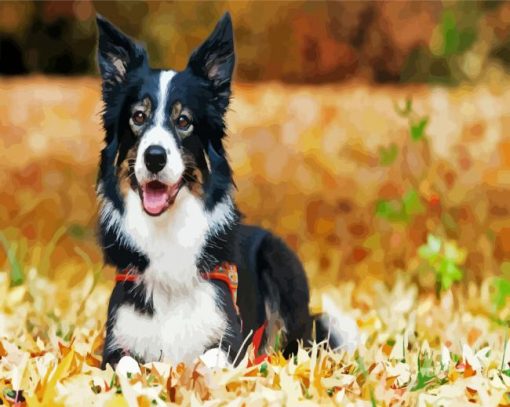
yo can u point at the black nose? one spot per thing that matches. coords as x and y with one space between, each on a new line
155 158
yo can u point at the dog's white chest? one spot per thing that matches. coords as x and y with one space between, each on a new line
180 329
186 317
172 241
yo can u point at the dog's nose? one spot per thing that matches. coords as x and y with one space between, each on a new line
155 158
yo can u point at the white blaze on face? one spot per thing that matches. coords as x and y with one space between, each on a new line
160 135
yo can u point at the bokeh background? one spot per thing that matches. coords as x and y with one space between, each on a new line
372 136
359 131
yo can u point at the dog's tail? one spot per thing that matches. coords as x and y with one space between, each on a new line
335 327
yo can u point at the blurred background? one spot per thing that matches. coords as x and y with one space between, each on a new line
373 136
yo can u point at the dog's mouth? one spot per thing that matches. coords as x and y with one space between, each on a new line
157 197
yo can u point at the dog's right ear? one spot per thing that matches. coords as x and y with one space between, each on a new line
117 53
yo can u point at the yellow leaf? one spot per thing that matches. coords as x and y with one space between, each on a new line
50 391
117 401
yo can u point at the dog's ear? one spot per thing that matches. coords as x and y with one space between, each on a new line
215 59
117 53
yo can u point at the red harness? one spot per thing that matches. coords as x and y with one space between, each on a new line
226 272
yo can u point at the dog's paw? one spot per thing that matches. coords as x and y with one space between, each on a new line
127 366
215 358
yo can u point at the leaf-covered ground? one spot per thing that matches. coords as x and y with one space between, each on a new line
414 349
398 209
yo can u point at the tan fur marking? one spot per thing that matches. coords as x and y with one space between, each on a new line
176 110
193 176
119 66
124 171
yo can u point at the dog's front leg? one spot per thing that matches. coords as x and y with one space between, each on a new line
229 349
111 353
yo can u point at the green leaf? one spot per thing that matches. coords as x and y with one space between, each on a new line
10 393
263 369
388 155
412 203
445 263
417 129
457 38
450 33
425 374
389 210
430 251
501 291
406 110
113 380
449 273
426 253
16 276
402 210
77 231
277 342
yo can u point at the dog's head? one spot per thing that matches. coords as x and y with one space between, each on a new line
160 124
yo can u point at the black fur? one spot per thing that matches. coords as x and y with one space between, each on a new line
270 274
215 61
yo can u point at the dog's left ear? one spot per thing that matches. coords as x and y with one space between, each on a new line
215 58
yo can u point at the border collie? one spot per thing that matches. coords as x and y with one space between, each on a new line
168 217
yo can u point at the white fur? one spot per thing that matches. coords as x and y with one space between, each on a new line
221 216
342 327
112 220
126 366
172 241
159 134
215 358
187 317
165 78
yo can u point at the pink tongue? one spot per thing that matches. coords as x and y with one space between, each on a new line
155 200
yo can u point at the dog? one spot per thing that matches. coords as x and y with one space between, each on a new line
192 279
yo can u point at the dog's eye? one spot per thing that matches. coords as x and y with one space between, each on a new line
139 117
182 122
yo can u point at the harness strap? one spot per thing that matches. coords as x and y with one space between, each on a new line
126 275
226 272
